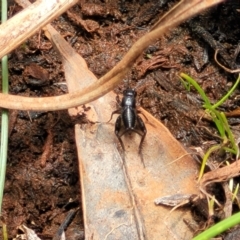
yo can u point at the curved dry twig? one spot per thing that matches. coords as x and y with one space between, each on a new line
225 68
182 11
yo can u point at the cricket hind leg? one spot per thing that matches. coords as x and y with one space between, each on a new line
119 132
142 131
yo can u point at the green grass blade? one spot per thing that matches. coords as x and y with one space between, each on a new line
4 230
205 158
3 153
216 117
4 122
229 133
219 227
234 196
227 95
198 88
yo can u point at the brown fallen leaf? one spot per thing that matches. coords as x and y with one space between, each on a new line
118 191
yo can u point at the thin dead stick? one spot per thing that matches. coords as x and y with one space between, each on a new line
225 68
221 174
115 228
184 10
24 24
175 160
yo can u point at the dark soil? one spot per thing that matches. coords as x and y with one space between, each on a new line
42 182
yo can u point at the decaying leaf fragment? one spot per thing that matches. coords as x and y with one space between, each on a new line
174 200
221 174
28 234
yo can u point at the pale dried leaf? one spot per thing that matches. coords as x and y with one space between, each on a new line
28 234
174 200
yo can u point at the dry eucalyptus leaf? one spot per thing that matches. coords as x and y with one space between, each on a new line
120 192
117 192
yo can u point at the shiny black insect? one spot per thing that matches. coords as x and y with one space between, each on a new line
129 120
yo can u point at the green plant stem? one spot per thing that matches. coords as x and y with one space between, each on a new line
222 100
216 117
5 74
219 227
4 230
3 153
4 124
235 193
205 158
229 132
197 87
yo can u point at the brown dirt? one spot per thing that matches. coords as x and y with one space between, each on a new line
42 183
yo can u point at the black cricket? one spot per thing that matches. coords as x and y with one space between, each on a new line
129 120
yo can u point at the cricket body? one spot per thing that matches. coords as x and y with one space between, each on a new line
129 120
